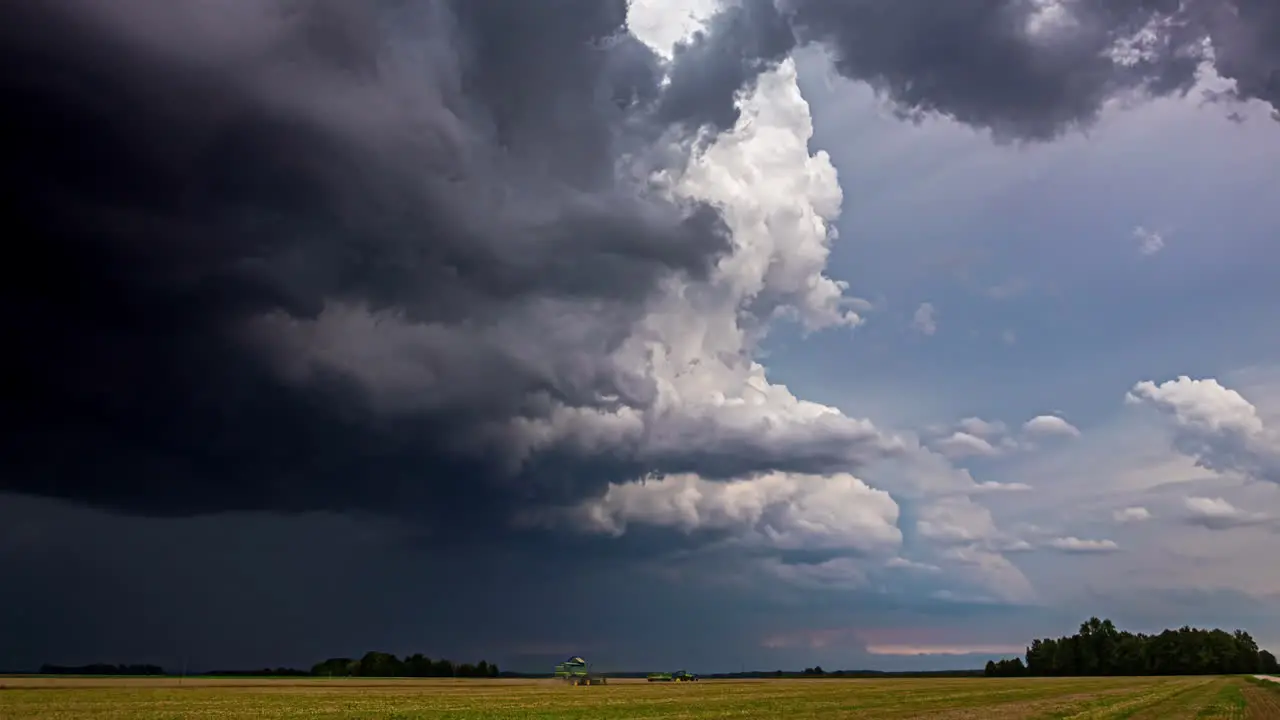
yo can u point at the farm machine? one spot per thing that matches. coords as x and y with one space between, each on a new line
576 672
677 676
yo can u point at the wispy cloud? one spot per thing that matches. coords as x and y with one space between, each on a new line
1150 242
924 321
1131 515
1078 545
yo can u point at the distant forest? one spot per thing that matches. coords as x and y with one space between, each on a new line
372 664
380 664
101 669
1100 649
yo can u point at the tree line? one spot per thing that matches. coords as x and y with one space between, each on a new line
380 664
1101 649
371 664
101 669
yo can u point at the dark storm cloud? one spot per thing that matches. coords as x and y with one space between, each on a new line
743 40
1246 42
188 183
1020 68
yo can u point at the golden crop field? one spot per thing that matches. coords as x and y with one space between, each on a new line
1165 698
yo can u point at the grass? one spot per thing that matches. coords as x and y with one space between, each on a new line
1193 698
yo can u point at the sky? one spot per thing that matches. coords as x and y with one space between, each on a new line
718 334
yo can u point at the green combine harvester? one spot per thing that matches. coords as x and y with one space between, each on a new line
575 672
677 676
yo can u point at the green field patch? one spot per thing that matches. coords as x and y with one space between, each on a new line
1227 704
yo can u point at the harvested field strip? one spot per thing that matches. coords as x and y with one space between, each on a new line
898 699
1262 699
1184 704
1167 696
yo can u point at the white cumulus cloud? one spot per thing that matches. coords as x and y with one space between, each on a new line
1215 425
1049 425
962 444
982 428
778 510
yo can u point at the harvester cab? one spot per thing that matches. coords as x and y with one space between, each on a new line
575 671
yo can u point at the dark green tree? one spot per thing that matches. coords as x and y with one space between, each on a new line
1099 648
1008 667
380 664
333 667
417 665
1267 663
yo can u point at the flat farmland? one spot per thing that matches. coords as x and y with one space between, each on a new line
1164 698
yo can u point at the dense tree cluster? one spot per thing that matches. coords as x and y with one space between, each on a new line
380 664
1008 667
1100 649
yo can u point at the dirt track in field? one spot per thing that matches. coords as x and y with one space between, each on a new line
1262 703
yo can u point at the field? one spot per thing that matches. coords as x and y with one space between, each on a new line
1176 698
